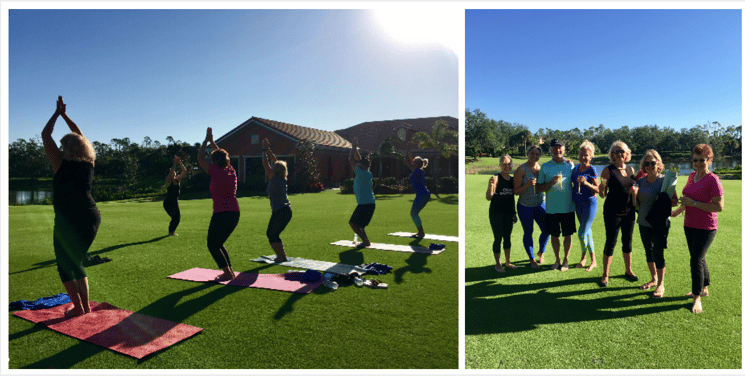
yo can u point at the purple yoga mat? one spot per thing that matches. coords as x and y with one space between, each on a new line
255 280
116 329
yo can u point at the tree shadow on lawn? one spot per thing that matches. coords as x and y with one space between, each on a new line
167 308
492 307
44 264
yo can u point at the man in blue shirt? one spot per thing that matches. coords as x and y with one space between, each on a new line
554 180
363 192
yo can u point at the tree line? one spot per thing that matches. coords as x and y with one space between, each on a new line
485 136
126 169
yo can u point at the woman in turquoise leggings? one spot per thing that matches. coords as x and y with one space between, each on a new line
584 189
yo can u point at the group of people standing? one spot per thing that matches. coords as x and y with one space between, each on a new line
552 195
77 217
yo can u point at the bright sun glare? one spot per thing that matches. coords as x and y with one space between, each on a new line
420 25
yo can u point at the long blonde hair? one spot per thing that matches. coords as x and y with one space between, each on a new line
75 147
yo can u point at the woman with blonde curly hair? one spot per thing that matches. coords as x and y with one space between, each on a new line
617 186
76 217
584 183
225 210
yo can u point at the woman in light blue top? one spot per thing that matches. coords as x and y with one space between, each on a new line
531 205
276 173
363 192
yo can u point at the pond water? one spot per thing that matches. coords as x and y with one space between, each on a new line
27 197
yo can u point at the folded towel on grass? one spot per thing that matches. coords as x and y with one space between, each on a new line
321 266
41 303
391 247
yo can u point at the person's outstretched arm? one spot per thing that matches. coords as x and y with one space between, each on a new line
62 107
202 155
50 147
409 160
267 158
183 169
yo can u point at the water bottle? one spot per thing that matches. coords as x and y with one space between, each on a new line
359 281
328 282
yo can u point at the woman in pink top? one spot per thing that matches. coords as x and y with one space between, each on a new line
702 199
225 211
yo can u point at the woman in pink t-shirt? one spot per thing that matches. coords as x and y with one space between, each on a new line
225 211
702 199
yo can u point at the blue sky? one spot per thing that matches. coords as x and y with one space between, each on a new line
562 69
159 73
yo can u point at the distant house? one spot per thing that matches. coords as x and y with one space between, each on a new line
243 143
373 134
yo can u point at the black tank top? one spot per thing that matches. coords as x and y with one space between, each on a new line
172 192
618 201
503 201
71 188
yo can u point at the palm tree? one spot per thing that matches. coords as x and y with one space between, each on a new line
443 141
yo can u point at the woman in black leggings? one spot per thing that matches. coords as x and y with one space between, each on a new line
502 215
702 199
170 204
616 182
225 210
276 173
76 217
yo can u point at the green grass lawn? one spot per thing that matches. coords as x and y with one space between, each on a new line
412 324
538 319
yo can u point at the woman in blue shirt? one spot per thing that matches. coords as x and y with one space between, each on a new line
417 166
584 188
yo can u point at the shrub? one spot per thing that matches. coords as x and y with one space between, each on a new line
448 184
347 187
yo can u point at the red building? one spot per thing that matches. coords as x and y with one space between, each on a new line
243 143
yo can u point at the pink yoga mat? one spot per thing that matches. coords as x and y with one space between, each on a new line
117 329
255 280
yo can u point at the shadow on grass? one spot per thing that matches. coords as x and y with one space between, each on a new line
44 264
449 199
492 307
415 264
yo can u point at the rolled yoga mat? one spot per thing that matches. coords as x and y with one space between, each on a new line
114 328
391 247
439 238
255 280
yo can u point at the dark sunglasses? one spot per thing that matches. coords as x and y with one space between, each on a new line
698 160
647 163
619 152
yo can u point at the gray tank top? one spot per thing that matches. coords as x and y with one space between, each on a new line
529 198
277 191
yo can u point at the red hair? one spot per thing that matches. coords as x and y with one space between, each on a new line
703 150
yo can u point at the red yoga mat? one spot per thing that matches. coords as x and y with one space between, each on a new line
117 329
255 280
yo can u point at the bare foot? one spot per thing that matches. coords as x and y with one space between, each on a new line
659 292
174 234
540 258
697 306
555 266
534 264
565 266
511 266
224 277
498 268
278 260
582 262
73 312
648 285
604 281
592 266
703 293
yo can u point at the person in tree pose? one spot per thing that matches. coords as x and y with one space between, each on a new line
170 204
225 210
363 192
417 166
276 173
76 216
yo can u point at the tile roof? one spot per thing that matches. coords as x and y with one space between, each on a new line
372 133
297 132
